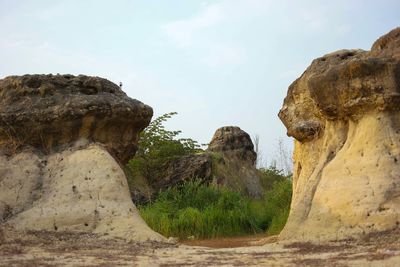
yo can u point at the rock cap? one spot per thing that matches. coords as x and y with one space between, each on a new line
49 111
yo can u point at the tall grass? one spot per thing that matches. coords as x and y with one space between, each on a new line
277 206
203 211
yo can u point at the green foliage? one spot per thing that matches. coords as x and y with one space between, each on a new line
204 211
157 146
157 142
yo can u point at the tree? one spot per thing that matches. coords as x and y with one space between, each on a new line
157 146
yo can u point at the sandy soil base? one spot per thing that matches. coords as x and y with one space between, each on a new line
37 248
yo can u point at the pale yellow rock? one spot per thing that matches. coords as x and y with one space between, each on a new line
79 190
353 188
344 113
19 182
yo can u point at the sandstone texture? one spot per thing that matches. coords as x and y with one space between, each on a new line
63 139
344 114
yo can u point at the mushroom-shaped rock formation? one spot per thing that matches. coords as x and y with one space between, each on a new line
62 140
344 114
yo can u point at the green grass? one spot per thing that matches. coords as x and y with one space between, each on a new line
204 211
199 210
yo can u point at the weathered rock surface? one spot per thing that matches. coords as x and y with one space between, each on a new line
49 111
344 114
233 142
235 166
186 168
62 141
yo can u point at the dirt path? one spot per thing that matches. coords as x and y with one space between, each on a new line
72 249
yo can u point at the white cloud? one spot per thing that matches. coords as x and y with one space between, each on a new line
183 31
223 56
197 33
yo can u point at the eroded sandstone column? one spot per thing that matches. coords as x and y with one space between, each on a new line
344 114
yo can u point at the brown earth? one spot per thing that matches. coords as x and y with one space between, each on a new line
40 248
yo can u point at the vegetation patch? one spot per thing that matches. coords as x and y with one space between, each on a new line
195 210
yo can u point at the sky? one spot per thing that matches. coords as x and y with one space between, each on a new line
216 63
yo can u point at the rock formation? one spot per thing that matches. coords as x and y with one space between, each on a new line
234 164
228 161
344 114
62 140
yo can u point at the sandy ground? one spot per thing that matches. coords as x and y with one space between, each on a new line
74 249
232 242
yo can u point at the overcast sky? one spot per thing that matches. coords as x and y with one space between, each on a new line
216 63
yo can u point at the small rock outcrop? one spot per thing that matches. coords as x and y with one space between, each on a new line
344 114
63 139
186 168
233 142
235 158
